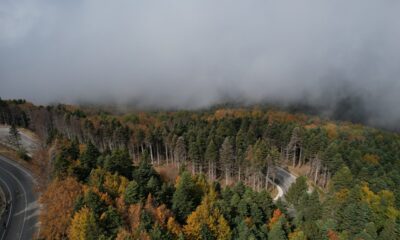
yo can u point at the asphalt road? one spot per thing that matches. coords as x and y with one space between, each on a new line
20 220
283 180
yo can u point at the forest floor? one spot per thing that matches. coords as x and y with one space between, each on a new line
29 140
299 171
168 172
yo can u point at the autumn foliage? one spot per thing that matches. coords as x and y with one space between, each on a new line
58 201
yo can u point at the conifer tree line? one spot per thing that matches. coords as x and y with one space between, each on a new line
226 144
104 184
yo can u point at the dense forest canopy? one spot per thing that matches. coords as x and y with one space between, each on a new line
106 171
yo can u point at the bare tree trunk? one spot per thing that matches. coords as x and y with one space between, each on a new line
294 157
209 170
316 173
166 152
300 161
226 176
151 154
158 155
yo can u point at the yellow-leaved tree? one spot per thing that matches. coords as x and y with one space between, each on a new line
83 226
207 219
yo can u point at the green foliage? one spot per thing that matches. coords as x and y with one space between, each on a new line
110 222
132 193
14 137
95 203
231 145
296 191
119 161
277 231
186 197
343 179
88 159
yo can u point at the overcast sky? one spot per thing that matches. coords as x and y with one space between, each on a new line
193 53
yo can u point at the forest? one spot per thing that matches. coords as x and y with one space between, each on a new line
208 174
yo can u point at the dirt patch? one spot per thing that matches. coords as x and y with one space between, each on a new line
299 171
169 172
29 140
9 153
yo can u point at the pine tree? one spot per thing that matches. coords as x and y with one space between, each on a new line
277 231
211 157
185 198
111 221
89 156
194 155
296 191
389 231
342 179
132 193
308 214
14 137
241 146
119 161
226 158
95 203
180 151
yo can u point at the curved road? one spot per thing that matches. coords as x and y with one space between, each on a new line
283 180
21 216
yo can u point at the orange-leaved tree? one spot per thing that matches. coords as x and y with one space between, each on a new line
58 200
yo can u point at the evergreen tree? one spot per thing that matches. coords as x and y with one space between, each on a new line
389 231
226 158
95 203
89 157
277 231
73 150
14 137
354 213
132 193
180 151
342 179
111 222
185 198
309 212
241 147
211 157
296 191
119 161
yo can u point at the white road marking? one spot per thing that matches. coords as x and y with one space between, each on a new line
19 167
280 193
11 206
26 201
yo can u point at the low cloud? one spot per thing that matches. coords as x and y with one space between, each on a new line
339 56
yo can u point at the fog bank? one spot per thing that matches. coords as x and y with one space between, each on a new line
340 56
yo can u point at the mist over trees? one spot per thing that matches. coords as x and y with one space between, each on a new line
227 159
190 54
